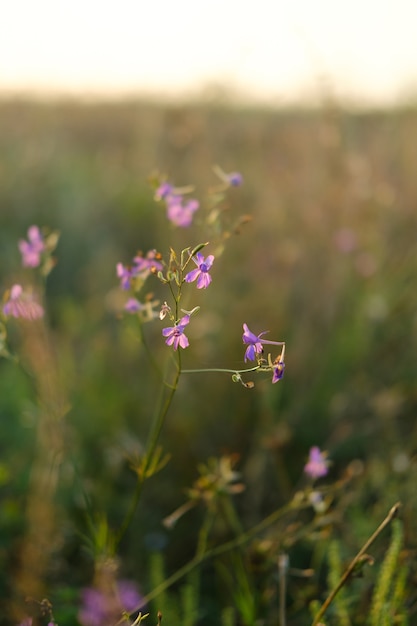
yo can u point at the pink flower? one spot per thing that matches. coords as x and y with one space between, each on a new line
180 212
22 304
317 465
32 249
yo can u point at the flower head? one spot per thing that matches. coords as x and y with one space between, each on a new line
22 304
201 273
32 249
125 274
235 179
99 608
179 211
146 264
255 343
278 371
164 190
317 465
175 334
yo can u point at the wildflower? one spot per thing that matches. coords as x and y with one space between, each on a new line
201 273
147 264
165 310
164 190
317 465
133 306
235 179
32 249
175 334
125 274
278 371
255 343
99 608
179 211
22 304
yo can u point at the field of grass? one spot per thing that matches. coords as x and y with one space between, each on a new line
325 259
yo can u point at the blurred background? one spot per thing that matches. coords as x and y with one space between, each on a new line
314 103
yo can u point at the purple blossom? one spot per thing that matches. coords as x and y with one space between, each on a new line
32 249
255 343
235 179
147 264
179 211
164 190
317 465
100 609
278 371
22 304
201 273
175 334
133 306
125 274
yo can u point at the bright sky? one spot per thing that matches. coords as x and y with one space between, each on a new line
271 49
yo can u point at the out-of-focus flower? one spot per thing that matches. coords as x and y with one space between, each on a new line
180 212
100 609
146 264
235 179
22 304
201 273
345 240
317 465
125 274
133 306
175 334
164 190
32 249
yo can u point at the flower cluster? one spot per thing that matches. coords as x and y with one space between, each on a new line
317 465
255 348
23 304
179 211
32 249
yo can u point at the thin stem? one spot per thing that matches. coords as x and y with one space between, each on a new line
157 424
222 549
218 369
391 514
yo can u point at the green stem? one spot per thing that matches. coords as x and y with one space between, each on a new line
218 369
157 425
391 514
222 549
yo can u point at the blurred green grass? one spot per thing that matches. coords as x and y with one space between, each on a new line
328 263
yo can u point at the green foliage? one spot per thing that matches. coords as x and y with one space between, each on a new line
389 597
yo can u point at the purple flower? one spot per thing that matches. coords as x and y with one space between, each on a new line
235 179
317 465
255 343
278 371
147 264
22 304
32 249
179 211
175 334
125 274
133 306
100 609
164 190
201 273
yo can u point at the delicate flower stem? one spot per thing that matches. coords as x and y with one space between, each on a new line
157 424
391 514
218 369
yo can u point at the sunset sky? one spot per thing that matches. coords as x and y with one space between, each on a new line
275 50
